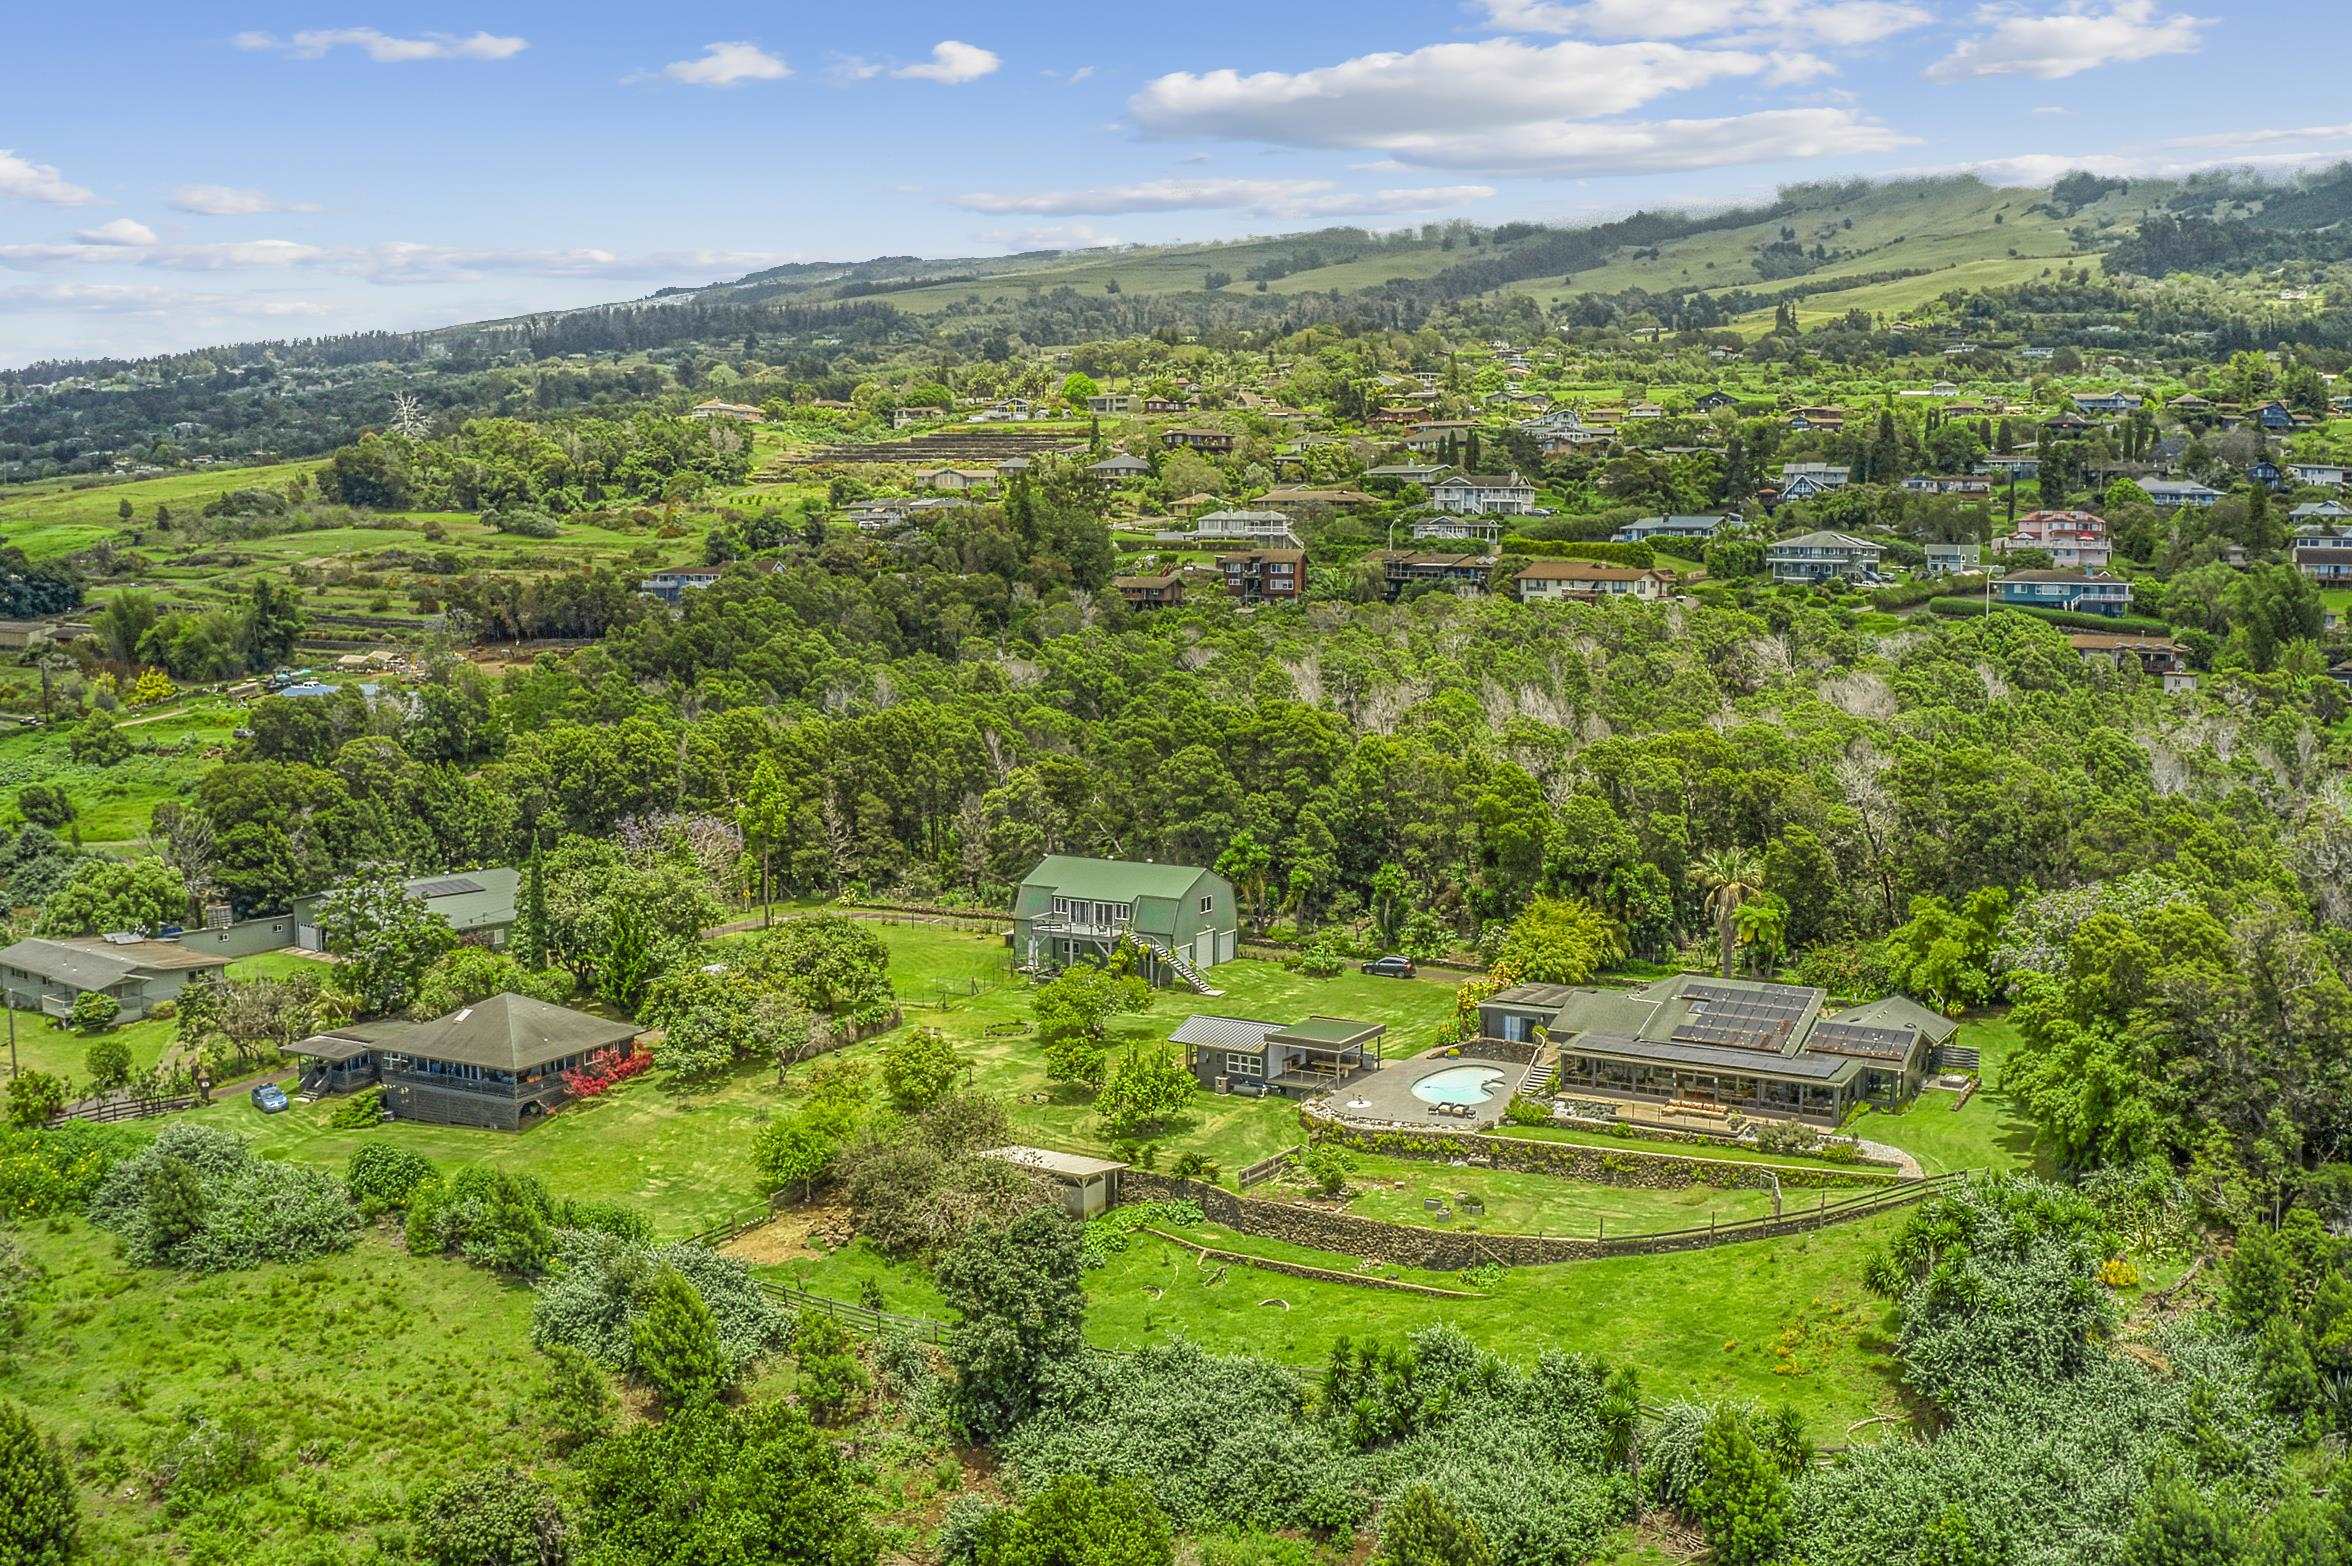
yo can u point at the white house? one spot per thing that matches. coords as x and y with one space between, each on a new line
1484 494
1696 529
1267 529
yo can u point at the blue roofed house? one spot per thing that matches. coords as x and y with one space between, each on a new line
2081 592
2169 493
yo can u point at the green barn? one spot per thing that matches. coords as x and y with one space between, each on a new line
1073 910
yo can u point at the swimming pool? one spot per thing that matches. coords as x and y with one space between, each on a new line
1458 1085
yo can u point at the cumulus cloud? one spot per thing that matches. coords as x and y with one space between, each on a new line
232 201
728 65
122 231
2257 149
1468 86
1272 197
1049 236
2078 37
1839 23
382 47
952 63
22 179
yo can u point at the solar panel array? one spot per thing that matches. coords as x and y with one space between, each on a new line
452 887
1859 1040
1742 1019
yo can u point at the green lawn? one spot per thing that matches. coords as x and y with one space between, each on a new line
366 1376
1395 1190
53 517
171 747
1989 1132
42 1043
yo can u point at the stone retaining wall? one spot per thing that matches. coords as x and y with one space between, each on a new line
1291 1269
1456 1250
1640 1168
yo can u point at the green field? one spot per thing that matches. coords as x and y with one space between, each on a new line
58 516
1397 1190
364 1376
171 746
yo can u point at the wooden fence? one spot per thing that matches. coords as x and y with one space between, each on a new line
858 1318
1265 1168
115 1109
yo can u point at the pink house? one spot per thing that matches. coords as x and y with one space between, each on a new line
2076 540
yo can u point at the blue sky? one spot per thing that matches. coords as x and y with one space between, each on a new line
175 174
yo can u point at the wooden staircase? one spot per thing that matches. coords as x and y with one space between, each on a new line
1179 965
1540 1074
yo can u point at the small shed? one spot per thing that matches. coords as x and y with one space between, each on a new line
1088 1187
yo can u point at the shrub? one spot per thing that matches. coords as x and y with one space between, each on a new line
1423 1529
1525 1111
489 1217
574 1402
1741 1499
503 1518
40 1520
197 1198
830 1380
359 1111
1327 1165
597 1289
1019 1306
919 1068
675 1342
1080 1521
108 1062
382 1177
34 1096
717 1485
93 1011
54 1169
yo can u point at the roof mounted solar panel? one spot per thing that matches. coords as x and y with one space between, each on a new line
451 886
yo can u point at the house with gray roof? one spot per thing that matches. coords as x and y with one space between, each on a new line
1692 529
1699 1044
1290 1060
1820 557
493 1064
478 904
1071 909
48 975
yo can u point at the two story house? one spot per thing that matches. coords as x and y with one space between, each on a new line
1587 581
1483 494
1824 556
1265 575
2076 540
1071 909
2082 592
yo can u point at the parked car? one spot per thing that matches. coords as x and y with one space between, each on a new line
268 1097
1391 967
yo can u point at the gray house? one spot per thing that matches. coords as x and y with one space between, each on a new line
478 904
1703 1045
48 976
1822 557
1300 1060
1071 910
493 1064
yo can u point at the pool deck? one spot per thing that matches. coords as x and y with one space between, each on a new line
1386 1097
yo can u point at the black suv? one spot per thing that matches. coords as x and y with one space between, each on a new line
1391 967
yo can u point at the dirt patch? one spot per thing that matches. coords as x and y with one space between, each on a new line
792 1236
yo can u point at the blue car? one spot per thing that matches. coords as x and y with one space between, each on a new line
269 1098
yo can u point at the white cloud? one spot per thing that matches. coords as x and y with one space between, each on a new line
2080 36
398 261
24 180
384 48
1840 23
145 299
1271 197
122 231
1365 101
952 64
1049 236
728 65
232 201
1078 75
1594 147
2309 146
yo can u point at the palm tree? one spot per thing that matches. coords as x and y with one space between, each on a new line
1730 876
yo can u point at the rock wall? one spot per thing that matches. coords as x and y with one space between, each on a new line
1457 1250
1623 1166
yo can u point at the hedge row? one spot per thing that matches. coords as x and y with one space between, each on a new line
2070 619
1637 555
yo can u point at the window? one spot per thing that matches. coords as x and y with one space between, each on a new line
1209 904
1240 1065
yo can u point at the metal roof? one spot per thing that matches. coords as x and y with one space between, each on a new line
1330 1032
1744 1062
1111 880
98 965
1047 1161
1223 1032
